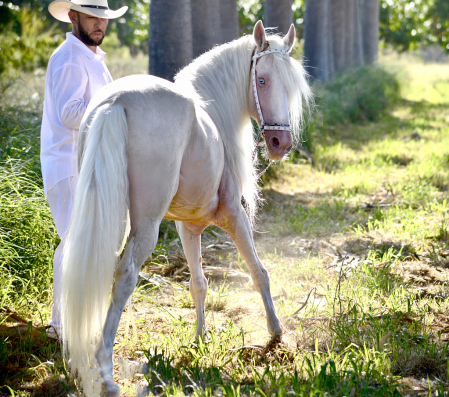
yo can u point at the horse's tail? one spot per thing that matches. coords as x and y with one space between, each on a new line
97 231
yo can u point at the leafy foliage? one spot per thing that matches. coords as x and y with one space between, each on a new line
250 11
132 28
408 24
440 22
404 24
357 96
24 43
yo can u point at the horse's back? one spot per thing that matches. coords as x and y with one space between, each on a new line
137 93
154 109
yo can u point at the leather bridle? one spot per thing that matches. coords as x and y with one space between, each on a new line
264 126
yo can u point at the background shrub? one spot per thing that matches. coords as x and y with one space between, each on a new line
356 96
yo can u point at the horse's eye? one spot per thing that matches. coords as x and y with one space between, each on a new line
261 81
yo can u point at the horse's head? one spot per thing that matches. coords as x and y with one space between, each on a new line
269 103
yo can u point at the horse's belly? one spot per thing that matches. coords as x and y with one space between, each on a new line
182 209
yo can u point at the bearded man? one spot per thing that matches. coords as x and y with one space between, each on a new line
76 71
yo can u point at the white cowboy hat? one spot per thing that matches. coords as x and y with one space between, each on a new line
97 8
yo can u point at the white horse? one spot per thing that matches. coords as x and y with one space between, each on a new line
151 149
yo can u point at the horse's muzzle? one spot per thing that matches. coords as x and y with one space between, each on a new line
278 143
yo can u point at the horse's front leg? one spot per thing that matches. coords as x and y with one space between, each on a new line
191 242
235 222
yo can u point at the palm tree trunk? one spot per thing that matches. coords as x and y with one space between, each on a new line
278 14
330 45
358 41
170 41
316 39
229 20
206 32
339 16
370 18
349 34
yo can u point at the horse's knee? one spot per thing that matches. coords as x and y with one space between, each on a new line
261 277
126 277
126 271
198 287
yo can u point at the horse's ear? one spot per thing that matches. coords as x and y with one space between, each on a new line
259 35
289 38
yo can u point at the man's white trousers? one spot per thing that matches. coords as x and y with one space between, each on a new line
60 198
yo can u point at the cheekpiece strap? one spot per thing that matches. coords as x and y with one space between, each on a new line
263 126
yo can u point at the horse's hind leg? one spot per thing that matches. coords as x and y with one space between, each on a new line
191 243
138 249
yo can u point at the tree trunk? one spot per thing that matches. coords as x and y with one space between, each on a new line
229 18
330 45
206 32
316 39
349 34
278 14
170 41
370 18
339 17
358 41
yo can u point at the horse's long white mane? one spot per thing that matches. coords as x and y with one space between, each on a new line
220 82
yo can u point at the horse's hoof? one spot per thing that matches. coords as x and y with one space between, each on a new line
277 338
112 389
275 330
204 335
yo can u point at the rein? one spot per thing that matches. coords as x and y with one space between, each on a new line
263 125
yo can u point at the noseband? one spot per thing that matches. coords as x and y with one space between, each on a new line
263 126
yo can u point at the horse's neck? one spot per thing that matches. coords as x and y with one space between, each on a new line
221 77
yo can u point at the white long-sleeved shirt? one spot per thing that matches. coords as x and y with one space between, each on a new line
74 74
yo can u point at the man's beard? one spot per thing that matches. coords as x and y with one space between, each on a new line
86 38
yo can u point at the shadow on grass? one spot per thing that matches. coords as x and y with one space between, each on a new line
356 136
403 336
267 375
316 214
30 362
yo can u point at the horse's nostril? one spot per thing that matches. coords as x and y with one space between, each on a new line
275 142
289 148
